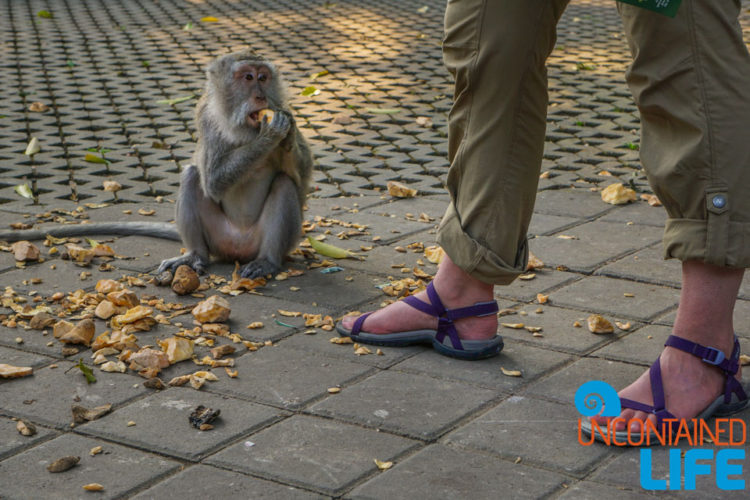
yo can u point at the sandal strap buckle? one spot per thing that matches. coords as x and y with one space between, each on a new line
713 356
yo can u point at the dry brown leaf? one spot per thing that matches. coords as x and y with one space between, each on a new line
515 326
334 390
38 107
534 262
399 190
617 194
744 359
177 349
341 340
541 298
111 186
382 465
434 254
511 373
93 487
527 277
255 325
82 333
651 199
214 309
146 211
10 371
599 324
623 326
289 314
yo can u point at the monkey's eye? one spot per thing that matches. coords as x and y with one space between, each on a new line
262 77
249 77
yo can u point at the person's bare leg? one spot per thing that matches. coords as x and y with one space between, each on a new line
456 288
705 317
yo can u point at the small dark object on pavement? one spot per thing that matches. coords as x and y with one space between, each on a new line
202 415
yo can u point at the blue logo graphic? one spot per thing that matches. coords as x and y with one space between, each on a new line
597 398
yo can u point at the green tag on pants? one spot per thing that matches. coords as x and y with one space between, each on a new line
666 7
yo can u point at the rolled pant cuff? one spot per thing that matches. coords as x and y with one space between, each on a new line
476 259
688 239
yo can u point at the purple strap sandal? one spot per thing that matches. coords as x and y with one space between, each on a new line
725 404
446 330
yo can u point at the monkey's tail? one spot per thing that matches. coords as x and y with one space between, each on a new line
161 230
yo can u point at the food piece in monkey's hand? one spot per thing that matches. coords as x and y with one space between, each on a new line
265 115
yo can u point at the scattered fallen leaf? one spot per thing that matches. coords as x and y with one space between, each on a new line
92 158
255 325
541 298
744 359
623 326
25 251
628 295
146 211
382 465
93 487
33 147
38 107
185 280
334 390
399 190
63 464
214 309
24 190
434 254
87 371
651 199
176 100
511 373
202 415
328 250
534 263
96 450
617 194
527 277
177 348
599 324
82 414
515 326
533 329
209 19
341 340
111 186
310 90
25 428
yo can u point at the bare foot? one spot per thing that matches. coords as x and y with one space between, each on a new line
455 288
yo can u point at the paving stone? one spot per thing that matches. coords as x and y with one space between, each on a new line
577 203
441 472
558 330
290 378
545 280
647 265
531 361
17 357
65 277
606 296
588 246
563 385
625 471
211 482
539 432
589 490
48 394
160 417
406 404
120 470
542 224
314 453
637 213
387 261
328 290
144 254
320 343
642 346
12 442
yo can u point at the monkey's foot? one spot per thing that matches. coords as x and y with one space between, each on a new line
191 259
258 268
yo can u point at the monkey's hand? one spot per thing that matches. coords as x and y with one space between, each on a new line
258 268
276 129
191 259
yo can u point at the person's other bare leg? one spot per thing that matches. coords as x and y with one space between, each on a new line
705 317
456 288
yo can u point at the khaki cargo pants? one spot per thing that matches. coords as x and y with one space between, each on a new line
691 81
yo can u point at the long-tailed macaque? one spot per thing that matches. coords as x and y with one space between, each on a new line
241 199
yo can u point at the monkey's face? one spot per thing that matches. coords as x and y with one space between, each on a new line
254 85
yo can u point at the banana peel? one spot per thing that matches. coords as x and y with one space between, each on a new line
331 251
